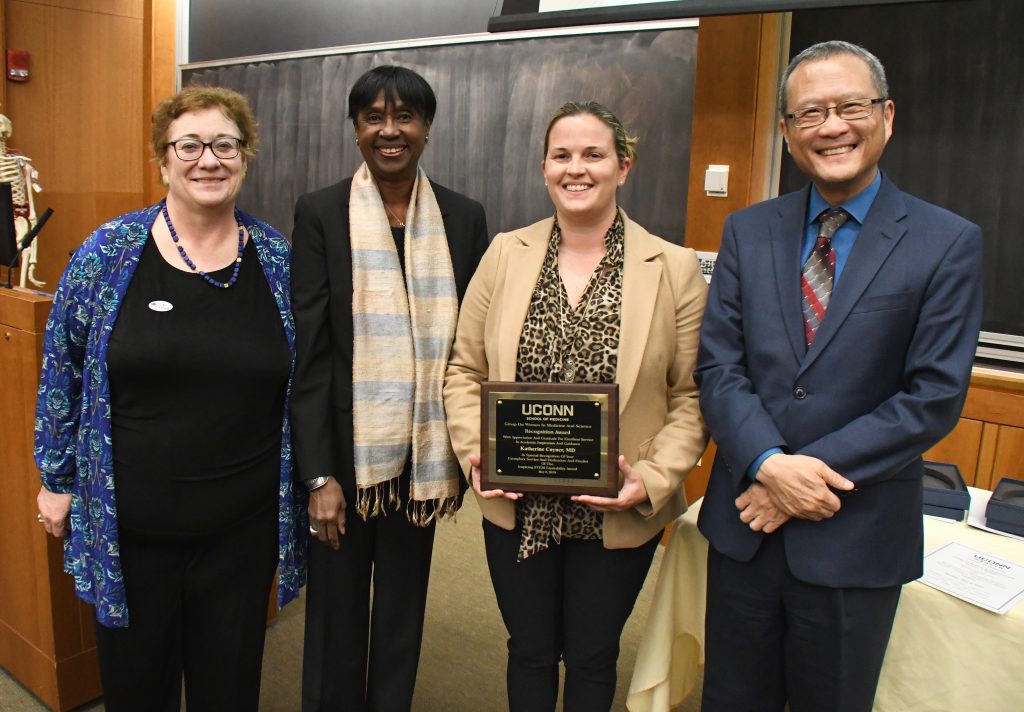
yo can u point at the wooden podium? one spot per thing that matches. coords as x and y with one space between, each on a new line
46 636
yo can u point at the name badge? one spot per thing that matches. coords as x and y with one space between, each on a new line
159 305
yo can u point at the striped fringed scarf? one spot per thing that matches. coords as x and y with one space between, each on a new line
402 335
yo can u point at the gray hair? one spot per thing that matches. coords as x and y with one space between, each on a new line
832 48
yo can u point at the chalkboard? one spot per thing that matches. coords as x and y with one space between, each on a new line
219 29
494 103
956 75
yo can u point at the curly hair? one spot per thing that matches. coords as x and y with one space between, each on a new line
234 106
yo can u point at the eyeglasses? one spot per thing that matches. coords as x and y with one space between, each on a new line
847 111
190 149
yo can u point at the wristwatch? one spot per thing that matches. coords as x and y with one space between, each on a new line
316 483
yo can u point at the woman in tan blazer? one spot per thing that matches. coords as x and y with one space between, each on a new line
587 296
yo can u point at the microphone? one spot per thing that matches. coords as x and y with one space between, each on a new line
26 241
36 229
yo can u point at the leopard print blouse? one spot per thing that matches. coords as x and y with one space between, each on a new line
560 344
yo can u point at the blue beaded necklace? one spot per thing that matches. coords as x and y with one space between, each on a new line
192 265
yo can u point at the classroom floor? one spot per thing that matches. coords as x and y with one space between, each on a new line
462 665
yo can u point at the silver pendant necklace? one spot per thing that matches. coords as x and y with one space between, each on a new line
567 371
392 214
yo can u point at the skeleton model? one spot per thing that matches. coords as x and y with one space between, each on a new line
17 170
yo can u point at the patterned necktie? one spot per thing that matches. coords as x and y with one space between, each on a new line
819 271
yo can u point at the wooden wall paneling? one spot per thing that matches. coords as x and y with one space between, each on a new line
159 80
3 54
766 152
77 116
738 59
124 8
96 103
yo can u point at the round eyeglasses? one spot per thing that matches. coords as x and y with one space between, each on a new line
190 149
847 111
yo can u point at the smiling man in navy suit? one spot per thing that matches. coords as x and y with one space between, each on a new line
836 348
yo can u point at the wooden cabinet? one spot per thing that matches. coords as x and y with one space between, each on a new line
46 638
988 442
1008 458
961 447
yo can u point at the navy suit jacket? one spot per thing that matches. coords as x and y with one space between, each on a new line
884 380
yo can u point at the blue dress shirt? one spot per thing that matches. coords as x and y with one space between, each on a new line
842 242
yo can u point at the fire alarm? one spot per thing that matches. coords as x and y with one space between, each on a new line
17 65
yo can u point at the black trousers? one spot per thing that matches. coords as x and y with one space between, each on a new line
356 658
772 639
197 608
568 603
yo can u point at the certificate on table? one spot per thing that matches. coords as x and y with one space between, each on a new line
974 576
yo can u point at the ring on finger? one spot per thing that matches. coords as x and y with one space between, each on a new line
313 530
39 518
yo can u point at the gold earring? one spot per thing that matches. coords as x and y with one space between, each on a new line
164 179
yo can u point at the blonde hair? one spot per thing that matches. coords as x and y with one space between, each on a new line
625 146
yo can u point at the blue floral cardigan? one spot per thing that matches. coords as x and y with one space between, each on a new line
73 446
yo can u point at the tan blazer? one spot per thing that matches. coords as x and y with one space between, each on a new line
661 432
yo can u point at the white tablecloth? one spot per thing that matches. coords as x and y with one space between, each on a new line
944 653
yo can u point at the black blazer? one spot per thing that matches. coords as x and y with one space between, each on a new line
321 404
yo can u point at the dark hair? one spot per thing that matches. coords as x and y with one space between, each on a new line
396 83
196 97
827 50
625 146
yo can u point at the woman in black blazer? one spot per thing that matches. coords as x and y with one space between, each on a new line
380 262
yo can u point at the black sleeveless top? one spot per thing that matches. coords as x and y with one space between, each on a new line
197 384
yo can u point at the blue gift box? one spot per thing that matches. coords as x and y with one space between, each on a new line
956 515
1005 510
944 491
